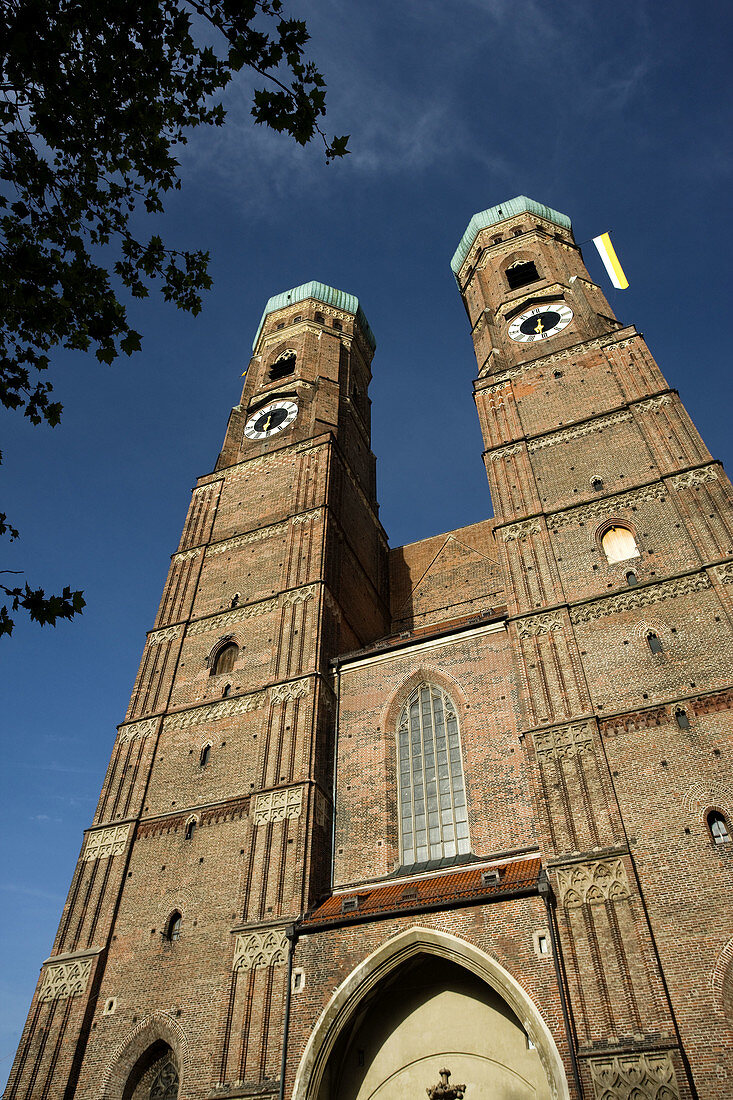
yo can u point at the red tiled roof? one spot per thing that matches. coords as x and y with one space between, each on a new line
432 891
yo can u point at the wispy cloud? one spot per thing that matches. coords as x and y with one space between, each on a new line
29 892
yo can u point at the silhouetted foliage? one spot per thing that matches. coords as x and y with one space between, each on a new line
94 99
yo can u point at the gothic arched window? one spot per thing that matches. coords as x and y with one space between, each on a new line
283 365
521 273
225 658
718 827
433 814
619 544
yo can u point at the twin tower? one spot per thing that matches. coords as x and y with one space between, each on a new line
452 817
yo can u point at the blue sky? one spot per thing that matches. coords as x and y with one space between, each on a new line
618 114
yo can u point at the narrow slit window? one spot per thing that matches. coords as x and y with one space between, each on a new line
521 273
205 754
190 829
654 642
619 544
173 928
718 827
432 794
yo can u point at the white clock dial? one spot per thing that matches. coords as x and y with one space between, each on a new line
272 419
540 322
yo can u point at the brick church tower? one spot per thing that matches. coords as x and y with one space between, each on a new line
378 818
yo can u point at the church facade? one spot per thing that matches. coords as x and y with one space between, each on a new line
448 818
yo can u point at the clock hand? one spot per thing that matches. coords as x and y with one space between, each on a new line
539 327
266 425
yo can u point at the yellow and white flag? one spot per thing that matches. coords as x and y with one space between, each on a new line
610 261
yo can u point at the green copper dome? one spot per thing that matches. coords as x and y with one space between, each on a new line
339 299
496 214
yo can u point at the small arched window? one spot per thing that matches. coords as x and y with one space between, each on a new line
205 754
190 829
596 484
319 318
224 659
680 717
235 600
337 325
283 366
631 578
173 927
654 642
619 544
718 827
226 691
433 813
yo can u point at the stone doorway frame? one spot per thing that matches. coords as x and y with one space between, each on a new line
387 958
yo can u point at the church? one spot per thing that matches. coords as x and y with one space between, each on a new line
451 818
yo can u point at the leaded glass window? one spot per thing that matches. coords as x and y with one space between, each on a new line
165 1083
433 814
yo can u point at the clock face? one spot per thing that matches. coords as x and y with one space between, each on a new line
272 419
540 322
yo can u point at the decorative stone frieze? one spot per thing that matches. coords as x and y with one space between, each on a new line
157 637
599 509
655 402
564 741
306 517
298 595
132 731
642 597
634 721
251 536
592 883
690 478
253 950
214 712
65 979
231 618
579 430
185 555
634 1077
505 452
294 689
278 805
539 624
724 573
520 531
109 841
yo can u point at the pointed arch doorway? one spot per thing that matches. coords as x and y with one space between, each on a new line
422 1002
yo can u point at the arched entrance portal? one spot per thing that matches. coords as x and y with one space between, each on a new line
422 1002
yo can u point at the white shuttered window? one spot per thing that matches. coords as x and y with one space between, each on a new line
433 814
